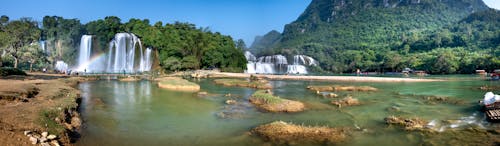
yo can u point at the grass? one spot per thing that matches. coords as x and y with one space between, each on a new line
178 82
260 84
47 120
266 97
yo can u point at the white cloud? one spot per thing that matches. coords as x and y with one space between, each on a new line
493 4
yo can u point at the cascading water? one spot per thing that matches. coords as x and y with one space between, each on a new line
122 56
299 62
278 64
85 52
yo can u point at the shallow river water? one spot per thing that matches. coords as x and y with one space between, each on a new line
140 113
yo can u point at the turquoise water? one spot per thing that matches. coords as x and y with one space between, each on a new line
140 113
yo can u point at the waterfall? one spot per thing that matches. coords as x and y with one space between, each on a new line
278 64
85 51
61 66
42 46
125 54
146 61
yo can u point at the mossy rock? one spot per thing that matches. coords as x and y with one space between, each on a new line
259 84
178 84
265 100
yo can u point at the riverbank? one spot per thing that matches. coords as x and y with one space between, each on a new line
217 74
39 103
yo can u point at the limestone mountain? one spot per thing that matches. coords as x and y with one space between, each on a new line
337 32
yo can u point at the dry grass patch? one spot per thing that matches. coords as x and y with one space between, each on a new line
178 84
259 84
280 132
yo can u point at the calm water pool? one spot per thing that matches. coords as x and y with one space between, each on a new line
139 113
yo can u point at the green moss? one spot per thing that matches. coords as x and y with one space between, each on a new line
267 97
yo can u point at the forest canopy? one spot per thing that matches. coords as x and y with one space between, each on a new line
180 46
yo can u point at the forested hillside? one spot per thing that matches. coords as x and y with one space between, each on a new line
388 35
180 46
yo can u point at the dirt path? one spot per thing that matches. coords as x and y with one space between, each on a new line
37 103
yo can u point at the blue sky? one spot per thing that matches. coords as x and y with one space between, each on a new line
239 18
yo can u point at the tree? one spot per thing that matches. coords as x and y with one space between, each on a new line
32 54
240 44
21 33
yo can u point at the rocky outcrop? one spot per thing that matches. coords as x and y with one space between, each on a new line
341 88
283 133
348 101
178 84
265 100
259 84
406 123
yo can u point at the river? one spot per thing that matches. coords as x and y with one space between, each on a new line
140 113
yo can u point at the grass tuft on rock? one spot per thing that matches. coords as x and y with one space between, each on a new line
259 84
178 84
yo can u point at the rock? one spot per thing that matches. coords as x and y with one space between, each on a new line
282 133
51 137
45 134
348 101
408 124
268 91
33 140
332 95
55 143
68 126
57 120
76 122
202 93
27 132
230 101
43 139
45 144
227 95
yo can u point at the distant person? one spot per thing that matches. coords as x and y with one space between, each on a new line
44 70
358 71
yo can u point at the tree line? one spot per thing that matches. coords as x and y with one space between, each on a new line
180 46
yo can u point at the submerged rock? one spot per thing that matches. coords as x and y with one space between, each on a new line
280 132
348 101
407 123
272 103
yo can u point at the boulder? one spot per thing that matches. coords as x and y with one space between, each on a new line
33 140
51 137
45 134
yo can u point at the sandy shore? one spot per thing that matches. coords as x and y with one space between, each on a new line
321 78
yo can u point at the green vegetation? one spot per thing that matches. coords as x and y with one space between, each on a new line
259 84
267 98
374 35
46 119
5 71
179 46
175 83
